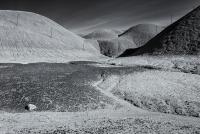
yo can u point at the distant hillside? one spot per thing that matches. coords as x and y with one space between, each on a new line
103 34
109 43
142 33
29 37
118 32
81 35
114 42
181 37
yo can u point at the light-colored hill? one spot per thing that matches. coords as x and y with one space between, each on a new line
29 37
142 33
109 43
118 32
181 37
114 42
103 34
81 35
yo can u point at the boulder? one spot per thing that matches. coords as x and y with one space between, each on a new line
30 107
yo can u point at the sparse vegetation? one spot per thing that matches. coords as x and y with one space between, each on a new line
35 38
143 94
53 87
181 37
126 126
159 91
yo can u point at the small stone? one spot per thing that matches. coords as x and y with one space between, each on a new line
30 107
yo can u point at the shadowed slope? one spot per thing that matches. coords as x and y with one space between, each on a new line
181 37
31 37
113 44
142 33
115 47
109 43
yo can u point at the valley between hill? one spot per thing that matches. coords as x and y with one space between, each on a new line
114 108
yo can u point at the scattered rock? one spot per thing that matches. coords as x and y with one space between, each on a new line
30 107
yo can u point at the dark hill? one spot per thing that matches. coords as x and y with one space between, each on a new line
181 37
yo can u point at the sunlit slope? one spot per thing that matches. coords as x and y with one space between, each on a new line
141 33
31 37
103 34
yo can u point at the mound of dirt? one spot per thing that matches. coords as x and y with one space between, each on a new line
115 47
181 37
109 43
142 33
103 34
114 42
31 37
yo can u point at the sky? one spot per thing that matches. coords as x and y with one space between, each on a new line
86 16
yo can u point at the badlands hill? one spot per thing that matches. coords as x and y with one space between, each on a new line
181 37
142 33
103 34
29 37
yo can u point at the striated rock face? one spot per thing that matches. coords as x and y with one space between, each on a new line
31 37
181 37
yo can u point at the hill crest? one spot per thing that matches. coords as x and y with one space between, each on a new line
30 37
181 37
